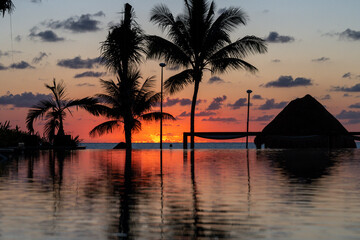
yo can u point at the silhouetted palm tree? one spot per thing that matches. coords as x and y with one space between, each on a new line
6 5
126 103
124 46
54 110
199 40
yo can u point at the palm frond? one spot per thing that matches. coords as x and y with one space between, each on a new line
50 127
38 111
225 64
105 127
156 116
171 53
179 81
124 45
146 102
162 16
136 126
242 48
6 5
87 103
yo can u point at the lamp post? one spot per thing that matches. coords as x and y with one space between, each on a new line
247 122
162 65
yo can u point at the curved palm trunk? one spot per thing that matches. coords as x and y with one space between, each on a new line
192 114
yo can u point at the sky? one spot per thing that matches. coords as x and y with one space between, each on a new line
313 48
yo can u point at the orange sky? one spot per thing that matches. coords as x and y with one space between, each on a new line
312 46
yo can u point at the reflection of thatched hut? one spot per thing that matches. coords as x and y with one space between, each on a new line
305 123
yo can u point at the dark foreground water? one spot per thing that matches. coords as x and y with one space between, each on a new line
238 194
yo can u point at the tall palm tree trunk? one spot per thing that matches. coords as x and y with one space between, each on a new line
192 114
127 137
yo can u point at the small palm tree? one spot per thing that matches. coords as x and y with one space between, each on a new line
198 41
54 110
6 5
126 103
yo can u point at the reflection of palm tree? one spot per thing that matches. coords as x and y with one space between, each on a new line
198 41
6 5
127 102
54 110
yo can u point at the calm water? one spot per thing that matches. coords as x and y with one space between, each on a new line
238 194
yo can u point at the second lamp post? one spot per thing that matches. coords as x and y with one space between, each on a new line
162 65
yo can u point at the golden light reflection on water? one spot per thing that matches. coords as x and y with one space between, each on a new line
105 194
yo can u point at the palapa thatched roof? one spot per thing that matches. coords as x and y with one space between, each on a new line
304 122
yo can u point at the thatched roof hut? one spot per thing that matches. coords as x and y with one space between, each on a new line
305 123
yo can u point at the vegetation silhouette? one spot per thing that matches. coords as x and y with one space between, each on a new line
126 102
198 40
54 110
6 5
11 137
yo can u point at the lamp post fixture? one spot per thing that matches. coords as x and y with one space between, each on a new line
247 122
162 65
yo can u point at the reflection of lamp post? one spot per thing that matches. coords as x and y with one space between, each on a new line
247 122
162 65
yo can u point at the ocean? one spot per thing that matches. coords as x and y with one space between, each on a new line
216 145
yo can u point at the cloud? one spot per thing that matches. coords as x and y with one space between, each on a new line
76 24
350 75
184 114
77 63
215 79
219 119
263 118
173 68
217 103
4 54
90 74
352 116
199 114
182 102
288 81
276 60
257 97
26 99
270 104
355 88
349 34
173 101
325 97
18 38
241 102
356 105
322 59
39 58
85 85
347 75
274 37
21 65
45 36
2 67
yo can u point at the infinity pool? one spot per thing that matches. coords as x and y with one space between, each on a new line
232 194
